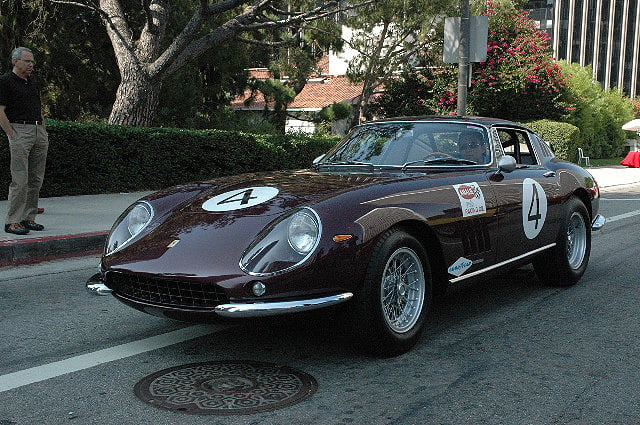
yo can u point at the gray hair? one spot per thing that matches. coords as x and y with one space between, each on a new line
17 53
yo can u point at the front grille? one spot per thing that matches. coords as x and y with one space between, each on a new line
166 291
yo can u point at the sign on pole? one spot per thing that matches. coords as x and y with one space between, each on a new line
465 41
478 34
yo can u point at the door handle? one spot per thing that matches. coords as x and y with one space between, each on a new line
549 174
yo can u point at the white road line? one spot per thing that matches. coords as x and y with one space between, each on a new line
85 361
620 199
622 216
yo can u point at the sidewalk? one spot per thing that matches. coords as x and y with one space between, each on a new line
78 225
74 225
615 175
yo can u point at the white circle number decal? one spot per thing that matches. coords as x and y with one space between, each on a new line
241 198
534 207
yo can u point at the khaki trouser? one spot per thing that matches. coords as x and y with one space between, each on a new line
28 147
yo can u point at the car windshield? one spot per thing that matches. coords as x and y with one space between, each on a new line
410 144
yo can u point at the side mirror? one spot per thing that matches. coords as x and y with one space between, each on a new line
507 164
318 159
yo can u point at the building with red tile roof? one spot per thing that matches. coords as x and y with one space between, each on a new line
320 91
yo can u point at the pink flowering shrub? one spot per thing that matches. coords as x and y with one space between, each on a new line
635 106
520 79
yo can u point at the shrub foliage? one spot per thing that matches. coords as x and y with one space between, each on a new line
564 138
598 113
95 158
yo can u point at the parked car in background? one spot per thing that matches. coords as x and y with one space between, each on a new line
397 211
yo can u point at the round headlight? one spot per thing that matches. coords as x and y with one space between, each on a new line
128 226
303 232
138 219
286 243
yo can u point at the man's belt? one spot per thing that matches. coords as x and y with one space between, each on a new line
27 122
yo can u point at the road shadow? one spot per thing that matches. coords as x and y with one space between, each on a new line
323 334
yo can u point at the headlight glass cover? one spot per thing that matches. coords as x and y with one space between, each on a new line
284 245
128 226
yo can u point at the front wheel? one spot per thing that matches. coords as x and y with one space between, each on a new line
392 306
565 264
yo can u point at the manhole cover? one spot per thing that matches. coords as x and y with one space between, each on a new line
226 388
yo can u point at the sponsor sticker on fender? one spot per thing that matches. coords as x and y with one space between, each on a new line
471 199
460 266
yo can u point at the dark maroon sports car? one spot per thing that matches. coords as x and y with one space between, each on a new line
397 211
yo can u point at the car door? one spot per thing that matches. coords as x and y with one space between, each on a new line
527 198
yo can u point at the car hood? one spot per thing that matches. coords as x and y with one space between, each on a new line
202 229
275 193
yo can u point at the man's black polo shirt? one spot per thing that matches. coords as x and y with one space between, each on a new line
21 98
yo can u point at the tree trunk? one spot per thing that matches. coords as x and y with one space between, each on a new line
143 63
369 80
136 101
137 96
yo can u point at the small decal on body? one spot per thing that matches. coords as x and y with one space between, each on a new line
240 198
460 266
471 199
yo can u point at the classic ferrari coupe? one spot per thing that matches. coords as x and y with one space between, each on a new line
395 212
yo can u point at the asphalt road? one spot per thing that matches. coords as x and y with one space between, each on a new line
506 351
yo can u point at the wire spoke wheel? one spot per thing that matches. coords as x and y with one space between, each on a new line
566 262
403 290
576 240
390 312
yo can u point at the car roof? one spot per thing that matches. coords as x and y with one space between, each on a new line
486 121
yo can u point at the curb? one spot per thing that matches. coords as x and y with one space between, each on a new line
35 250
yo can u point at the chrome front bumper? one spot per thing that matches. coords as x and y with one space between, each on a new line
598 223
243 310
282 307
95 285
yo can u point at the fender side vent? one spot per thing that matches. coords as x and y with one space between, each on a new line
475 238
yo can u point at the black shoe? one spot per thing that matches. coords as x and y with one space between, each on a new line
32 225
16 229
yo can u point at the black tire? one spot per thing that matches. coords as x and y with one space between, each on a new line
386 321
564 264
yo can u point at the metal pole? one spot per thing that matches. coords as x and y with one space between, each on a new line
463 57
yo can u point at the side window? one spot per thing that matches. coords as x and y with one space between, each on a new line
508 143
497 146
544 146
526 153
516 144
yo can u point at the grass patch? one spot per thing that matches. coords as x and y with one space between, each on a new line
603 162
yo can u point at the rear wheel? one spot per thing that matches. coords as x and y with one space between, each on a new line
392 306
565 264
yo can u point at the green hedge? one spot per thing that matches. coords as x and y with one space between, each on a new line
94 158
564 138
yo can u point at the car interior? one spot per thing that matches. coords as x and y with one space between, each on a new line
515 143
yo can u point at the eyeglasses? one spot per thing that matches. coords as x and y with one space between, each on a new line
465 146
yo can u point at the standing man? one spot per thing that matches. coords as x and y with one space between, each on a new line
21 119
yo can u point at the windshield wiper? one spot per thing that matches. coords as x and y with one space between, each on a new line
450 161
368 164
441 160
417 161
348 163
